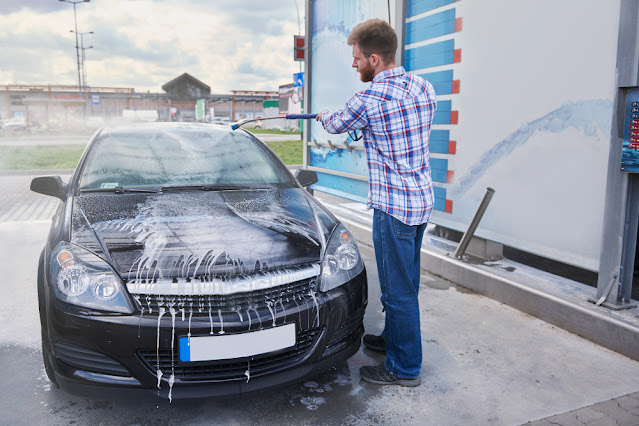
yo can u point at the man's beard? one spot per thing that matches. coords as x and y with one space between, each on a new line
366 73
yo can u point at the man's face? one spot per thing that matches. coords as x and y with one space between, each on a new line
363 65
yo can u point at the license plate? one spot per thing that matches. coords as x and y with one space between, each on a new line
209 348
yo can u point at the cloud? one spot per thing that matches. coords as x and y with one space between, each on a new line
9 6
228 44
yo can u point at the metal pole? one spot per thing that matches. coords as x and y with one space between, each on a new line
299 27
84 74
77 44
468 235
77 51
308 79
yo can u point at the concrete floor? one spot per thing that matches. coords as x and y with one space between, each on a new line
484 363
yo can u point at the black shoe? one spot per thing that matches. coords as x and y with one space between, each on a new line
374 343
379 375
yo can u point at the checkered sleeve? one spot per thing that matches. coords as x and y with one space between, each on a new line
351 117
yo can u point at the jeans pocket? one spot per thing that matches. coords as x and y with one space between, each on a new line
403 230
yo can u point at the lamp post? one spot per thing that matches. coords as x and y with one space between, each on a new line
84 71
77 47
83 58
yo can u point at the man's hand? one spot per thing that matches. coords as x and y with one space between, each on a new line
320 115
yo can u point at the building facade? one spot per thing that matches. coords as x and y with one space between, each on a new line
66 107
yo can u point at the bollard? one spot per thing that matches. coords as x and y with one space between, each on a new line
468 235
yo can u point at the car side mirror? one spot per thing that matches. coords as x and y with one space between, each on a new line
50 185
305 177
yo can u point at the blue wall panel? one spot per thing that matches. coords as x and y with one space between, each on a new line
340 160
439 204
439 192
439 169
443 88
443 106
420 6
352 189
431 26
439 175
431 55
430 49
439 164
439 135
438 77
438 147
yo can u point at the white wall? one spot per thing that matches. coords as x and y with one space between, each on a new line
535 107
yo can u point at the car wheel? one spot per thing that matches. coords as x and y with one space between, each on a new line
41 306
48 367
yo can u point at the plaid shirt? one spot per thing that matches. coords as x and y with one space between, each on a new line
395 115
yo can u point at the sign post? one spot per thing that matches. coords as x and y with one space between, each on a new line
200 109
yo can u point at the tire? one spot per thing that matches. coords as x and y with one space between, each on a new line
48 367
41 307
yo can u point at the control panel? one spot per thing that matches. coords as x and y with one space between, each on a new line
630 150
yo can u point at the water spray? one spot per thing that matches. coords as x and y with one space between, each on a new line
237 125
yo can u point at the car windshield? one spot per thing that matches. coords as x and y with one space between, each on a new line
195 155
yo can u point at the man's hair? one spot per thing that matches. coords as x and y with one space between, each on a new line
375 36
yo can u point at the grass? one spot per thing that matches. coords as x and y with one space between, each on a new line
40 157
289 151
43 157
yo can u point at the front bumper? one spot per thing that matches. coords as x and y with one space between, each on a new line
92 352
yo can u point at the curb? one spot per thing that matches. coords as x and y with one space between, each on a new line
557 302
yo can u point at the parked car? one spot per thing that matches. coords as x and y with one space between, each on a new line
185 260
220 120
15 124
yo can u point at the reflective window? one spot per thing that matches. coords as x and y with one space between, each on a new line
192 154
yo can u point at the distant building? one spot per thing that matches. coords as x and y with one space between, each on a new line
60 106
186 87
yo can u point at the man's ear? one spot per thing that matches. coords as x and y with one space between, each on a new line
375 59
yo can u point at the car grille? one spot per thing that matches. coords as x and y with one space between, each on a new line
88 360
229 369
201 305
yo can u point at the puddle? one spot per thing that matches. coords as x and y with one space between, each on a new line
437 283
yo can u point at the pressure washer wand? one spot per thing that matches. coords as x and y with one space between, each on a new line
237 125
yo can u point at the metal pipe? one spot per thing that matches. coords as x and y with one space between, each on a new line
468 235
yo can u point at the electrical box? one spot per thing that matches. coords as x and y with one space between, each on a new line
629 113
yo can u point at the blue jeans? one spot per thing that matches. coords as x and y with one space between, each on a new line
397 249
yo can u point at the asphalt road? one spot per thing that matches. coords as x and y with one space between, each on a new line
484 363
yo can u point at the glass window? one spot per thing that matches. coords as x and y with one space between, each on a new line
169 155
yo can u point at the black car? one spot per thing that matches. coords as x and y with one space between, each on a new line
187 261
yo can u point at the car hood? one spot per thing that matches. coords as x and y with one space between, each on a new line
201 234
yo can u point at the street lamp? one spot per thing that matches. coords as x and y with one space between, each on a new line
84 71
77 47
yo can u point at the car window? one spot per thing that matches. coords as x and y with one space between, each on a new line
174 156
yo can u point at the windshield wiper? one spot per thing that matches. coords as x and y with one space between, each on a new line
122 190
203 188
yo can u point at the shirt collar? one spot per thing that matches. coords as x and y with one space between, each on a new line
393 72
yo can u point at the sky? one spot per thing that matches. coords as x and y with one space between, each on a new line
143 44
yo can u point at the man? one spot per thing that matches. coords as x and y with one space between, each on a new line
395 115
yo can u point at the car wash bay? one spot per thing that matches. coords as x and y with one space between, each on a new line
483 361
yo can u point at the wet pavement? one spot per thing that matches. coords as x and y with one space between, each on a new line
484 362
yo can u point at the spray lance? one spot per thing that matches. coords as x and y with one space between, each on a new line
237 125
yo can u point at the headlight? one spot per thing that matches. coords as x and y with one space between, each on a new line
341 261
81 278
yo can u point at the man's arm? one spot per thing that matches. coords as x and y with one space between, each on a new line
351 117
